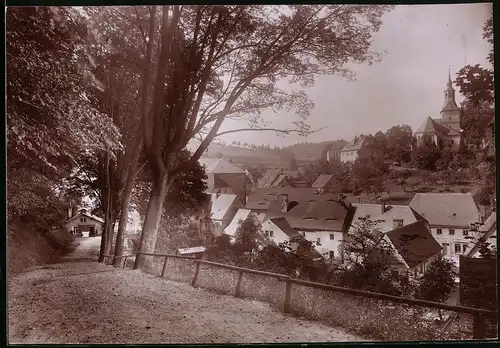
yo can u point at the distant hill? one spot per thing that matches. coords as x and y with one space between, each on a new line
249 156
311 151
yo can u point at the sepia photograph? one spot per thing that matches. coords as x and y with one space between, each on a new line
246 174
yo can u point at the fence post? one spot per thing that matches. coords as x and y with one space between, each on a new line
164 267
237 292
195 279
124 262
287 306
478 327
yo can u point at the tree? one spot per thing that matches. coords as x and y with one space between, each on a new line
426 157
226 61
47 134
401 177
475 83
293 164
437 283
367 258
399 143
369 174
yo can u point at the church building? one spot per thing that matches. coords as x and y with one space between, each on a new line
445 131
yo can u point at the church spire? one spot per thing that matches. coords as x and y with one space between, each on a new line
449 85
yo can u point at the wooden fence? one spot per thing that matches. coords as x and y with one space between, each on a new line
479 315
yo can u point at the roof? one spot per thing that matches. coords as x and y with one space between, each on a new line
446 209
222 166
193 250
279 180
269 177
433 126
221 205
284 226
488 228
317 216
96 218
414 242
322 180
241 215
354 145
392 212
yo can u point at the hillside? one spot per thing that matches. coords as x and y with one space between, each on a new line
311 151
248 156
267 156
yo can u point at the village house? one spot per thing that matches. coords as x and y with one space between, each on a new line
241 216
278 230
326 183
222 211
362 148
277 177
451 217
84 224
414 248
223 177
445 131
332 152
391 216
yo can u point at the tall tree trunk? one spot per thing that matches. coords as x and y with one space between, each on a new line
147 242
137 149
103 241
122 223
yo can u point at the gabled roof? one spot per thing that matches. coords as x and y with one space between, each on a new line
432 126
488 228
269 177
93 217
222 166
221 205
446 209
354 145
392 212
261 197
284 226
322 181
241 215
414 242
279 180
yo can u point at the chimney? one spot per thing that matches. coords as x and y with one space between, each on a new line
284 203
383 207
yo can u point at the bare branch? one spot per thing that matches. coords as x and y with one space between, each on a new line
285 131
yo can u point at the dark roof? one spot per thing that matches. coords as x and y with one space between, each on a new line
269 177
284 225
278 181
433 126
414 242
317 216
354 145
322 181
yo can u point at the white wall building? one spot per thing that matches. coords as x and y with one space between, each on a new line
450 216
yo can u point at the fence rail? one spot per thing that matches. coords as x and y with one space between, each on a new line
113 257
479 315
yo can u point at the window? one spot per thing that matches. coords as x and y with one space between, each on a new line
318 241
332 236
457 248
266 232
331 254
445 248
271 233
81 219
452 232
397 223
439 231
465 233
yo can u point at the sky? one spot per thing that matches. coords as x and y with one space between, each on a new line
420 43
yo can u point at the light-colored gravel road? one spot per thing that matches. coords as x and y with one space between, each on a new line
81 301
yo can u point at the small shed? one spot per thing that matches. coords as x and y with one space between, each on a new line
85 224
196 252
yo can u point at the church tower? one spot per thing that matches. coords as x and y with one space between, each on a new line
450 113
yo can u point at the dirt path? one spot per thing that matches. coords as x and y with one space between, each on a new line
81 301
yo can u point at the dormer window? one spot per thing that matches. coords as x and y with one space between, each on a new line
397 223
